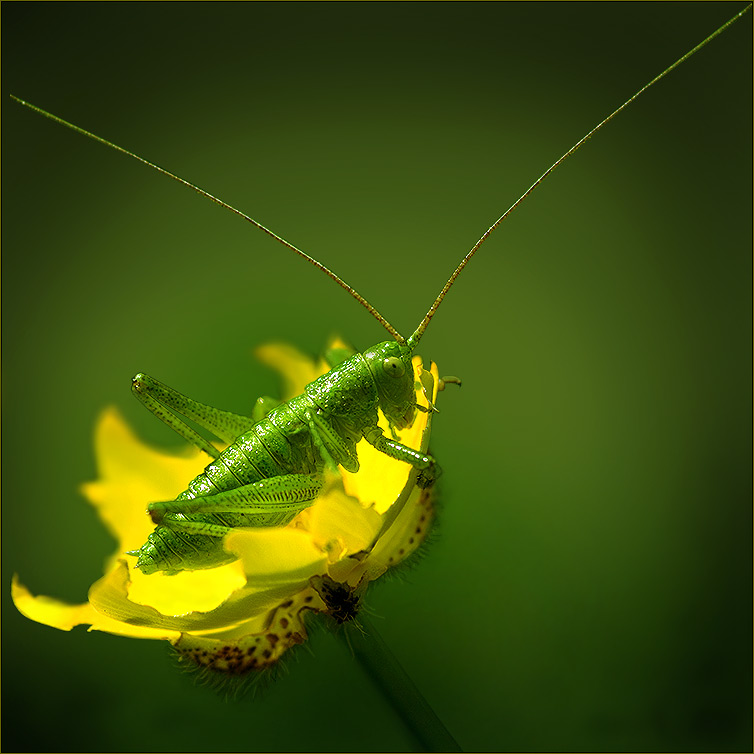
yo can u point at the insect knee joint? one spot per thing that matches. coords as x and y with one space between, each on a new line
156 513
138 382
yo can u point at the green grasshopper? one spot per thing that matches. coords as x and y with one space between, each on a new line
274 463
273 466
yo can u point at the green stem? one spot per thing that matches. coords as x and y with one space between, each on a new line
387 673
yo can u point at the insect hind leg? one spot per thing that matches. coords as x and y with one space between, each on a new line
166 403
270 502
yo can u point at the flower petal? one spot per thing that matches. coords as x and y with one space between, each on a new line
61 615
131 475
339 524
379 479
49 611
251 646
110 597
406 533
276 556
187 591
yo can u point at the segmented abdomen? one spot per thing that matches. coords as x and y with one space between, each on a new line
278 444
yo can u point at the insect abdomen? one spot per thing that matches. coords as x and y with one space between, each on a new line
276 445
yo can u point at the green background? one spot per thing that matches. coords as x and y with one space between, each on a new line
590 588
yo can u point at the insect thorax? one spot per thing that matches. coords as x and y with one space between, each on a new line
347 392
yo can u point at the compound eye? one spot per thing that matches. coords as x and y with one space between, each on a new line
394 366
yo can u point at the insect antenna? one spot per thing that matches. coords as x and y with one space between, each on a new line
342 283
417 334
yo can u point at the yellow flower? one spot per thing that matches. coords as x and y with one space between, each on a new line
246 614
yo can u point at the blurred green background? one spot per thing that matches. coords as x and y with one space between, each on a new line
590 588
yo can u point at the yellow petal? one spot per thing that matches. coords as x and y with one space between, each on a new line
110 597
351 570
379 479
340 519
187 591
335 342
61 615
49 611
276 556
131 475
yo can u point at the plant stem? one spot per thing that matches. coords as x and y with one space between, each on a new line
383 668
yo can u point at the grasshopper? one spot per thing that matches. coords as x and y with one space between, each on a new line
273 465
243 486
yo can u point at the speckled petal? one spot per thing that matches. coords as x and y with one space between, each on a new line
110 597
251 646
406 533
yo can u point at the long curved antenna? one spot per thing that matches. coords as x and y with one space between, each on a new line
371 309
414 338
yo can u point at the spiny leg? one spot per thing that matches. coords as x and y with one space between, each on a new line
270 502
165 403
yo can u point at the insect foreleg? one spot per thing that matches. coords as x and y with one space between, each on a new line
330 446
165 403
427 466
271 502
